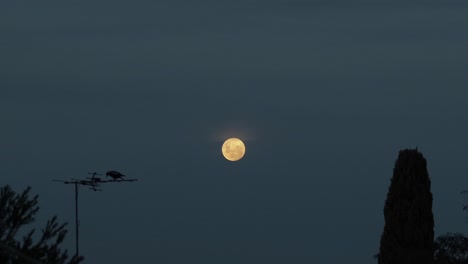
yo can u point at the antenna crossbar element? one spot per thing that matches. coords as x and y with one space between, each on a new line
127 180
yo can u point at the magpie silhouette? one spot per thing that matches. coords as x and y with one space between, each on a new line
114 175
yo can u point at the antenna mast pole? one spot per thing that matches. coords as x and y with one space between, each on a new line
76 220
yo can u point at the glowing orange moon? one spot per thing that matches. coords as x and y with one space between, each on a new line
233 149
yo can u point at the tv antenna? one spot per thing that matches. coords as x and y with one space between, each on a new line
94 183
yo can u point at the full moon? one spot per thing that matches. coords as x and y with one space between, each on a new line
233 149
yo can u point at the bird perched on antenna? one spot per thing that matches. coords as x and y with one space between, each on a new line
114 175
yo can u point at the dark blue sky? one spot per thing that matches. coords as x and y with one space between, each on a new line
323 93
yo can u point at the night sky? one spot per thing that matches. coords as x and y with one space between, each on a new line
323 93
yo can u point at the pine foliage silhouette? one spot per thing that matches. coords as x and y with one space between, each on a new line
451 248
18 210
408 235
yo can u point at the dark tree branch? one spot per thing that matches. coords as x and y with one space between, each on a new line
19 210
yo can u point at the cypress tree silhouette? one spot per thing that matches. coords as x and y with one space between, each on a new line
408 235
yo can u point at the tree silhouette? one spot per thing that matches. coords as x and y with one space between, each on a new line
408 235
17 211
451 248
